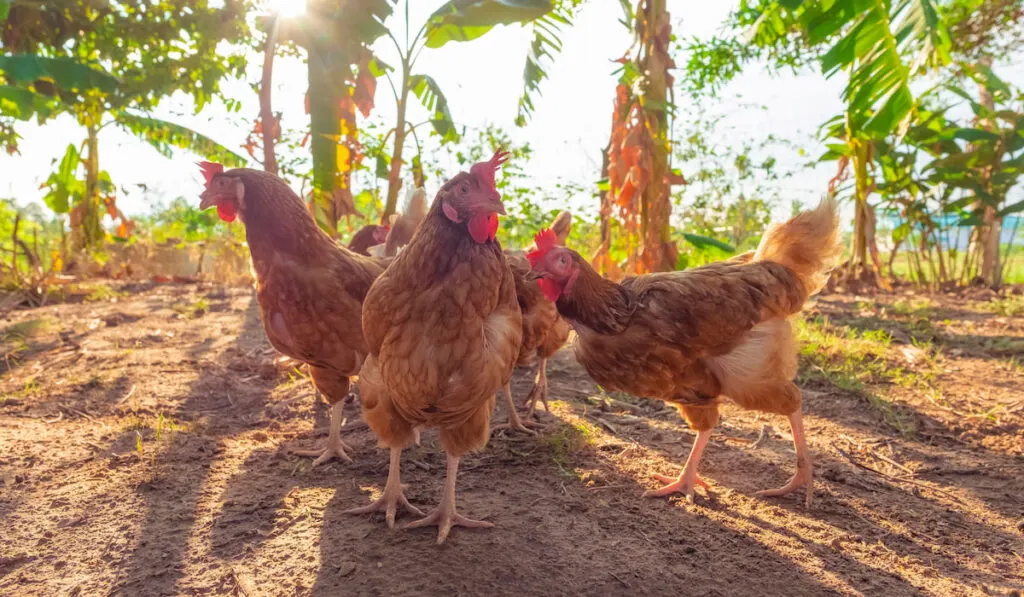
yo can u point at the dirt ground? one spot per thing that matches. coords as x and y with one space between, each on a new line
143 451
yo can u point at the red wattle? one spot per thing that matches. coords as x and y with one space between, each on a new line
550 288
482 227
492 226
226 211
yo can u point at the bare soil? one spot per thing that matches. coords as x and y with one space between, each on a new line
143 451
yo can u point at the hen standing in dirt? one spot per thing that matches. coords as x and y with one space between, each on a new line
444 330
310 289
690 337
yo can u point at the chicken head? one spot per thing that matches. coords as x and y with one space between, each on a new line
225 192
554 266
471 197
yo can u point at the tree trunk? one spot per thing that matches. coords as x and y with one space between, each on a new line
395 174
657 254
861 218
89 234
266 113
991 227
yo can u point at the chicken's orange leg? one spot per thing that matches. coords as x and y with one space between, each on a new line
445 517
393 494
804 476
688 480
514 422
540 389
334 448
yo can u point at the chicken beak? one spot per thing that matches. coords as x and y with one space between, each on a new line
497 205
207 200
534 275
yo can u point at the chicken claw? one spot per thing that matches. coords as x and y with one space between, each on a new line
688 480
334 448
393 495
685 483
445 516
514 423
804 476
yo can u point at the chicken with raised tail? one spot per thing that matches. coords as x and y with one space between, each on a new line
693 337
309 288
444 330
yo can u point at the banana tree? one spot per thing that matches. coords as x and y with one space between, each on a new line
879 45
154 48
459 21
987 167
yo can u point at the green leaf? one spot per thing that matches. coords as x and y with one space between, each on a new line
466 20
23 104
430 95
383 165
603 185
66 73
163 136
1011 209
974 135
378 67
545 46
63 184
703 242
5 9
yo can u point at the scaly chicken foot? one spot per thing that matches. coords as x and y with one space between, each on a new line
804 476
334 448
515 423
393 495
445 516
688 480
539 391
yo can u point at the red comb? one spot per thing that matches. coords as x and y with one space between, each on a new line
210 170
545 241
485 170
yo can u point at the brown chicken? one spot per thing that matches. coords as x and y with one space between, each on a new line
544 331
403 227
366 237
309 288
692 337
444 330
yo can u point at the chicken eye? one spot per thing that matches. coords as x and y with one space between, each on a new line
464 188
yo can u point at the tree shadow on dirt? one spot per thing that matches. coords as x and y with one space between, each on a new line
181 470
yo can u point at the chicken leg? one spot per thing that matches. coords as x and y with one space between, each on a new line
688 479
514 423
445 516
804 476
334 448
393 495
540 389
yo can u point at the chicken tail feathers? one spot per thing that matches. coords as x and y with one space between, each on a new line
807 244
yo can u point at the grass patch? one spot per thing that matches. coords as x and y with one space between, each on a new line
102 294
918 307
858 362
569 439
1011 306
193 310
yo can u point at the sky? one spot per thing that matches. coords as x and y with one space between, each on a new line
482 81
